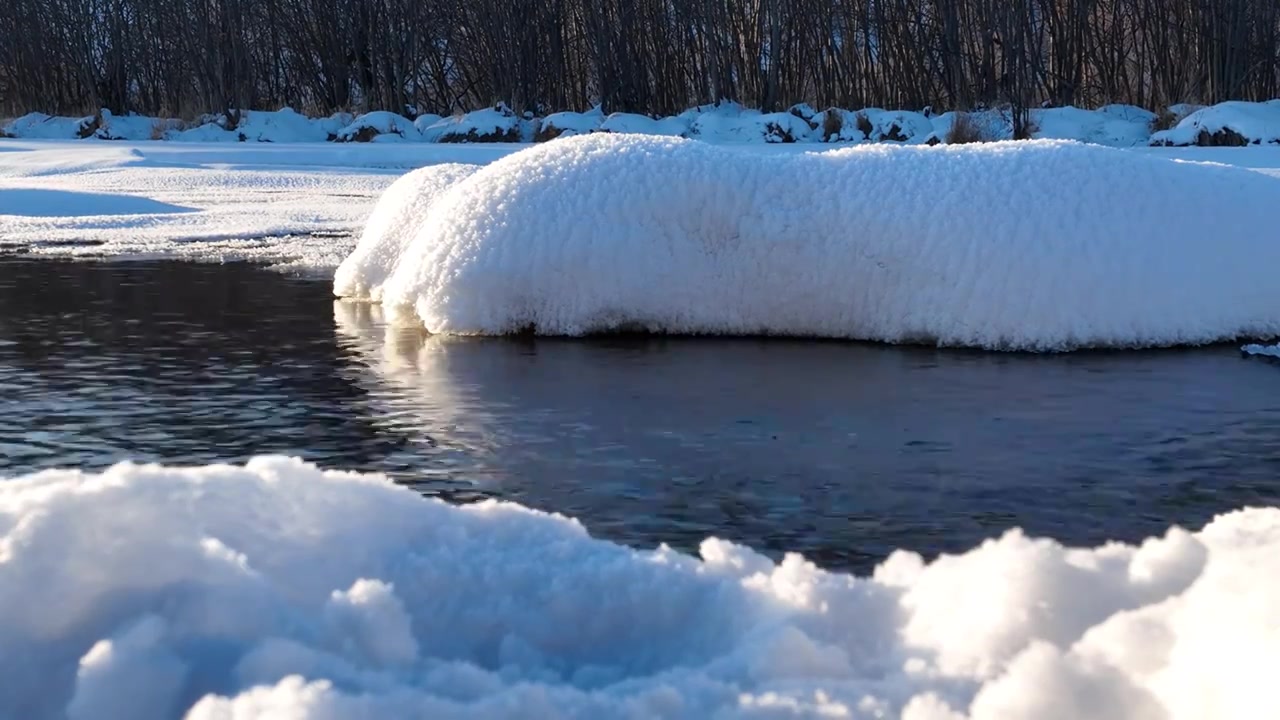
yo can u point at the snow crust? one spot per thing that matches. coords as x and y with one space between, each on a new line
1031 246
278 590
1262 350
296 204
1256 123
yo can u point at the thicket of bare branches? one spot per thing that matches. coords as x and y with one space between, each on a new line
185 57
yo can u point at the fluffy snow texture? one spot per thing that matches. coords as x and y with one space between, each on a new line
277 590
1037 246
1263 350
391 227
1229 123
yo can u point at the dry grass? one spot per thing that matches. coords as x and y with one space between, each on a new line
1164 120
966 129
89 126
864 125
160 129
547 132
832 124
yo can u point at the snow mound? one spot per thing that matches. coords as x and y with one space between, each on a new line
1228 123
898 126
279 590
750 127
496 124
1263 350
38 126
633 124
379 126
1114 125
391 227
568 124
1038 245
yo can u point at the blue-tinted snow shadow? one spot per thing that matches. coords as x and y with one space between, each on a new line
33 202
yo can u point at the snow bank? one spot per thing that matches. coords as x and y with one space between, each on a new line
1229 123
1114 125
496 124
38 126
278 590
748 126
379 126
1037 246
568 124
391 227
631 123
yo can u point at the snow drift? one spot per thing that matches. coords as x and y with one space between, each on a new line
1037 245
276 590
1228 123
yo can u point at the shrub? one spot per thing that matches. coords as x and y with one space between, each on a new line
966 129
832 124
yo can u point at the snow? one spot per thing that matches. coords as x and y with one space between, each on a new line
745 127
898 126
1254 123
568 124
390 227
1262 350
631 123
379 127
1041 245
279 590
1114 125
497 124
271 202
38 126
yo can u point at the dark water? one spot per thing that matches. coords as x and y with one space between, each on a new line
842 451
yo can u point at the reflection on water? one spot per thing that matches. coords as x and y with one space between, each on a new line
839 450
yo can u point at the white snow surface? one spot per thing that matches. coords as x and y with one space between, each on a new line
1257 123
277 590
294 203
1039 245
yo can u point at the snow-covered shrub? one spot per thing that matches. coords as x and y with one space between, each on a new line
374 125
568 124
634 123
1228 124
496 124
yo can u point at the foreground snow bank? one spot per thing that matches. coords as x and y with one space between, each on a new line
1039 245
278 590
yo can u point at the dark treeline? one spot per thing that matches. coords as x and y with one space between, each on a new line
180 58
